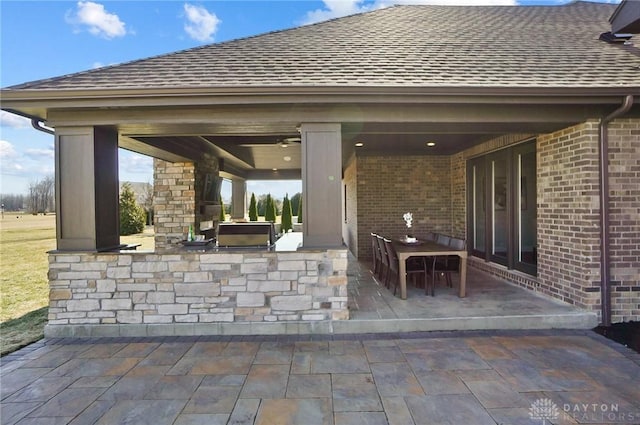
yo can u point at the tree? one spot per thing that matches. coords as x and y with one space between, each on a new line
147 202
40 199
295 202
269 213
223 214
300 211
132 215
12 202
253 208
286 214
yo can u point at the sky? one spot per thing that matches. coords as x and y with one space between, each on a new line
43 39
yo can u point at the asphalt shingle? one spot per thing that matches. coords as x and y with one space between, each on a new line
408 46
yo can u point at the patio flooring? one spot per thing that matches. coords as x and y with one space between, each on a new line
389 375
491 303
481 377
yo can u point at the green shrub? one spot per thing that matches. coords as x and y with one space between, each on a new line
300 210
223 213
269 213
287 216
253 208
132 215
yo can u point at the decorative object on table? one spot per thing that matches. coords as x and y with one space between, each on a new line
408 218
190 234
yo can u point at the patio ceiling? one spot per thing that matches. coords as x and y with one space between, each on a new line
257 152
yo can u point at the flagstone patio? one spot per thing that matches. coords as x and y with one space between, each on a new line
487 377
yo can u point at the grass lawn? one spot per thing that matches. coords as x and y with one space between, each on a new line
24 289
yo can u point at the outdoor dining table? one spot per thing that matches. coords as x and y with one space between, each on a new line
423 248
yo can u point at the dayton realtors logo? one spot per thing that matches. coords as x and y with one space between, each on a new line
545 409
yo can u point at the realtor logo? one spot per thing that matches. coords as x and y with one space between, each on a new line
543 409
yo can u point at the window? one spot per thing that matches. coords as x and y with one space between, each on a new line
502 207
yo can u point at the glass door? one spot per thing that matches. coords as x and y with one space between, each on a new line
502 207
478 204
499 208
526 209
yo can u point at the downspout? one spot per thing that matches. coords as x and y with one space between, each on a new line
605 272
37 124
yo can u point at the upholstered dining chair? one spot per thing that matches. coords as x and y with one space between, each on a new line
448 264
414 266
443 239
383 274
431 236
375 252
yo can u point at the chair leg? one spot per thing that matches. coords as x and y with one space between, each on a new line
429 284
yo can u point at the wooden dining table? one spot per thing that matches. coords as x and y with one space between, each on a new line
423 248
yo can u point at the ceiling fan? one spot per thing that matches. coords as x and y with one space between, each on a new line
283 143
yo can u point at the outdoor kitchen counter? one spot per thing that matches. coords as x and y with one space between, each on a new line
135 292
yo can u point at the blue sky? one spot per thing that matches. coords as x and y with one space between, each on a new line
42 39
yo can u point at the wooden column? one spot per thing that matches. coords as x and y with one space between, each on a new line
87 188
321 185
238 198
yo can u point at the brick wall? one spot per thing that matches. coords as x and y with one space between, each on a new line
387 187
459 196
196 287
624 184
568 215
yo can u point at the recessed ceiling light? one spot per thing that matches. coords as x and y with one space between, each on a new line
431 144
287 158
274 169
359 144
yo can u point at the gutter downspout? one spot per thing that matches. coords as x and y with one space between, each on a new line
605 272
37 124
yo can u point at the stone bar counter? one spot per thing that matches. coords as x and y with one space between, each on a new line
182 291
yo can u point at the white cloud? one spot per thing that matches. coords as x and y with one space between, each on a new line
98 21
338 8
40 153
7 150
134 163
9 160
201 24
8 119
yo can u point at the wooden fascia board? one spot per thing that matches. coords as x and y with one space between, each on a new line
214 117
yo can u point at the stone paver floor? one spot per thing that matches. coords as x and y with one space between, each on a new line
517 377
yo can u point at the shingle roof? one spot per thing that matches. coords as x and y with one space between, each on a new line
408 46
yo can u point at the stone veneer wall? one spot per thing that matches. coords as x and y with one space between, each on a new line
173 201
178 190
136 290
387 187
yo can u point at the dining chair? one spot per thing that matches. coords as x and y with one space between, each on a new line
383 274
414 266
375 252
431 236
448 264
443 239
